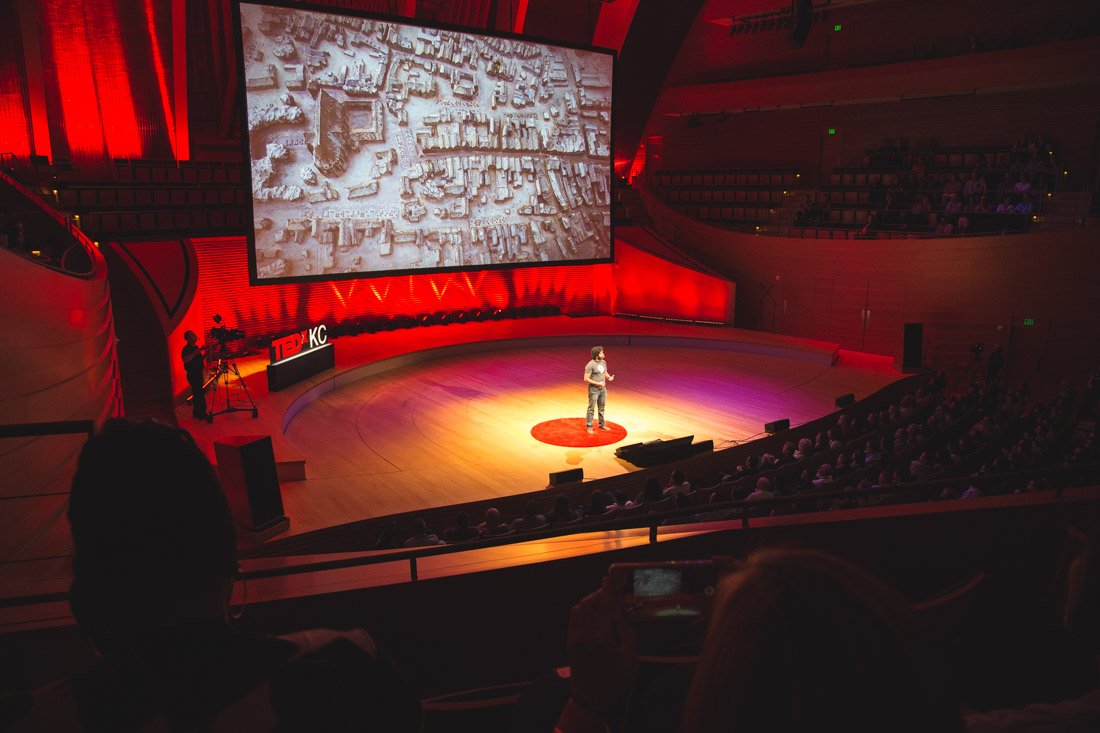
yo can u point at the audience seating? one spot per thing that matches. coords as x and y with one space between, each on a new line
742 199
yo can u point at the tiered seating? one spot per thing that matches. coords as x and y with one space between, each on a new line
703 470
150 197
741 199
878 198
720 487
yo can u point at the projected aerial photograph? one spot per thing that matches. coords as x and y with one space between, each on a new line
380 147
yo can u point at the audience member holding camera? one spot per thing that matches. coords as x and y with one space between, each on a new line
797 640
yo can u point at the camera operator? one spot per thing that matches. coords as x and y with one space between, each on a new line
193 366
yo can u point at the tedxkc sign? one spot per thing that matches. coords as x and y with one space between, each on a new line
298 343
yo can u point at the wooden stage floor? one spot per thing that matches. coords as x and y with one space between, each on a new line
436 416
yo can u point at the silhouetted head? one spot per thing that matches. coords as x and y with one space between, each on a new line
153 537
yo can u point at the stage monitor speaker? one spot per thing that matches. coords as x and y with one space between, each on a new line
567 477
625 450
771 428
912 346
844 400
246 467
656 452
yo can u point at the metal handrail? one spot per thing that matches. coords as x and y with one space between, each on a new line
652 522
81 238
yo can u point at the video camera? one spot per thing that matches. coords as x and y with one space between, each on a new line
976 350
222 334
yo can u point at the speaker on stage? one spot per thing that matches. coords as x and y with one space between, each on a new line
566 477
703 446
912 358
246 467
656 452
771 428
844 400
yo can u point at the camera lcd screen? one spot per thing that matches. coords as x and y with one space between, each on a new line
656 582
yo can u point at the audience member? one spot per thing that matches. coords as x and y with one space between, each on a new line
153 569
763 489
421 536
598 504
462 531
492 525
652 493
798 640
387 537
531 518
561 512
1081 619
677 484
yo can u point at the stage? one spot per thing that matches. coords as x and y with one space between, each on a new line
440 415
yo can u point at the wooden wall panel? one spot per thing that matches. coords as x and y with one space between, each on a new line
1069 116
963 290
870 33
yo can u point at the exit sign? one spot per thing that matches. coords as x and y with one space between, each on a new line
1029 321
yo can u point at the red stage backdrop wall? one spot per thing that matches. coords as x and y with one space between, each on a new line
638 283
276 309
646 285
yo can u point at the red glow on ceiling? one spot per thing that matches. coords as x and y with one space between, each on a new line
179 79
112 81
162 81
14 125
75 79
521 16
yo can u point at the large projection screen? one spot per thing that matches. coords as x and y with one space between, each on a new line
380 148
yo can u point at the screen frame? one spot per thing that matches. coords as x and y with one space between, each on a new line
238 40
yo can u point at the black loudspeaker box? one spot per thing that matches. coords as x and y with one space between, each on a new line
771 428
703 446
567 477
246 467
912 346
844 400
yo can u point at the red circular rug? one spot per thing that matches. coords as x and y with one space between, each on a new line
570 432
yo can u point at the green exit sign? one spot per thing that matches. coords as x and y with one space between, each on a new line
1029 321
836 27
832 130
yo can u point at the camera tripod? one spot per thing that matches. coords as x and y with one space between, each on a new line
235 398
